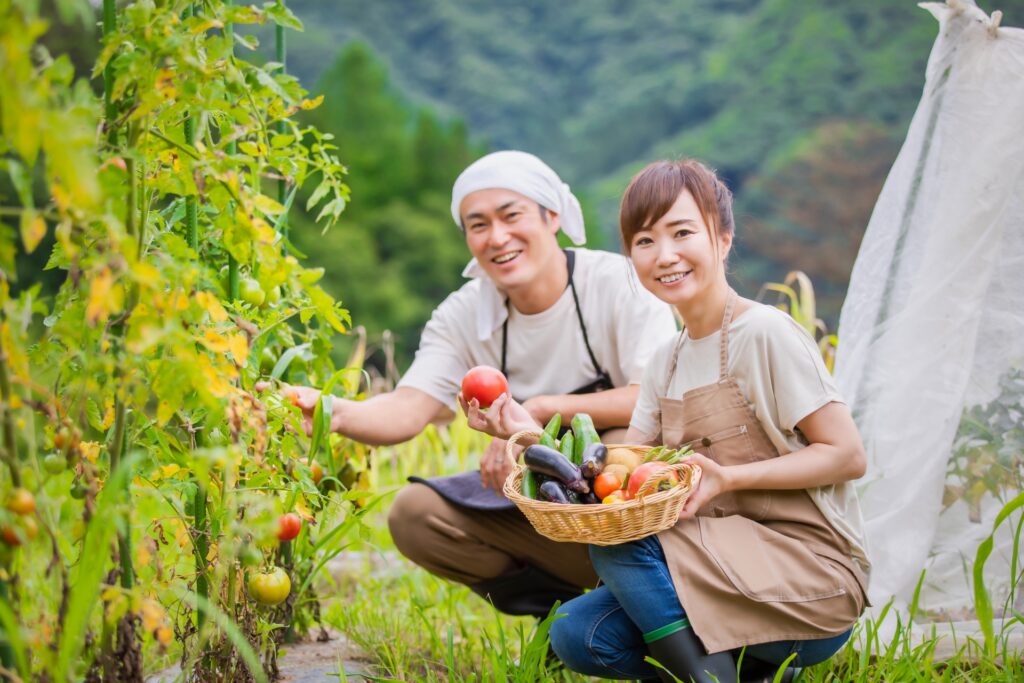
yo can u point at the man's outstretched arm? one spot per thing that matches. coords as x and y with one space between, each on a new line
383 420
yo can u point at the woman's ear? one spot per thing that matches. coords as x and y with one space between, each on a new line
725 244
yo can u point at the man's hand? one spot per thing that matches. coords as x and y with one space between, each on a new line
495 465
504 418
305 398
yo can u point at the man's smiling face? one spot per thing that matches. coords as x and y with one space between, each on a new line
510 235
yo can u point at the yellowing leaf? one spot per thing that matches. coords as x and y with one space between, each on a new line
303 509
33 229
165 83
214 341
145 274
313 103
212 305
267 205
108 417
169 471
142 559
164 412
216 381
239 345
153 615
105 298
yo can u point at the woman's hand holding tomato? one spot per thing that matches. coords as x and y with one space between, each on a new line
504 418
714 479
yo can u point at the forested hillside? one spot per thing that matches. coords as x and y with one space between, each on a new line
801 105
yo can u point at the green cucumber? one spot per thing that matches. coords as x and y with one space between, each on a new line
586 434
567 445
530 484
554 426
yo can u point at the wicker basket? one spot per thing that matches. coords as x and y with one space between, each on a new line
598 524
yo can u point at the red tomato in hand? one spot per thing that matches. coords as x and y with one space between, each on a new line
288 526
485 384
643 472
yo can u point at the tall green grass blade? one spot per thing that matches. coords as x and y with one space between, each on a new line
982 602
286 359
12 632
87 575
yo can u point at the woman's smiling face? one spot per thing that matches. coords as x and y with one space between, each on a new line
676 257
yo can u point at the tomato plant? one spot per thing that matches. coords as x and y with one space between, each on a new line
485 384
126 407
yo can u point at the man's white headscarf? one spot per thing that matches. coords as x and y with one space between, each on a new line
529 176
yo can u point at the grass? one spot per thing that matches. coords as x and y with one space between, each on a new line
412 626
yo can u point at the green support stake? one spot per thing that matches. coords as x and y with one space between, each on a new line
109 24
229 34
282 185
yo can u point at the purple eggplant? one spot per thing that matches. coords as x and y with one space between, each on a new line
593 459
553 492
545 460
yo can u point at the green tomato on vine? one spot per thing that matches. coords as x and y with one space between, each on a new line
251 292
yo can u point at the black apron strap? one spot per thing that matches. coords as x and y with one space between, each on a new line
603 380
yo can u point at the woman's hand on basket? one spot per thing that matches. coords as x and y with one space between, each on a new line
504 418
714 479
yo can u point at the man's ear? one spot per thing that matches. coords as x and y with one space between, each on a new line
554 222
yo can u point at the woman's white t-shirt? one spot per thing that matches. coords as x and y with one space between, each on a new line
779 370
546 353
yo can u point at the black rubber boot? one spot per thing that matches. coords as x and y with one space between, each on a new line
684 656
756 671
528 591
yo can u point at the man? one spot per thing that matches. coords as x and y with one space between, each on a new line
571 330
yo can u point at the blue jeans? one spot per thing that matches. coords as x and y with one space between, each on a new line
601 632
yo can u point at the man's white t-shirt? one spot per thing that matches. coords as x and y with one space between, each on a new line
546 352
779 370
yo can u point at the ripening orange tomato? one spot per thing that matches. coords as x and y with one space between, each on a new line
606 483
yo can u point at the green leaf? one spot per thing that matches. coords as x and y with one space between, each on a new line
282 16
286 358
982 602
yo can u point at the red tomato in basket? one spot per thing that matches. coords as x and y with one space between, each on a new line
485 384
643 472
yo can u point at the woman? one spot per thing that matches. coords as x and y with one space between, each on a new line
768 554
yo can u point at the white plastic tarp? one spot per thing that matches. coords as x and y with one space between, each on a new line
931 351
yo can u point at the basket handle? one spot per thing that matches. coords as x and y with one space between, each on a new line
683 468
511 444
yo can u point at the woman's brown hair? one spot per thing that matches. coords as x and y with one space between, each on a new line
653 191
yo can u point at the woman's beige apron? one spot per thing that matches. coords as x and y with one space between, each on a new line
752 566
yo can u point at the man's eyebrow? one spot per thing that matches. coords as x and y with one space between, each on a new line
503 207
